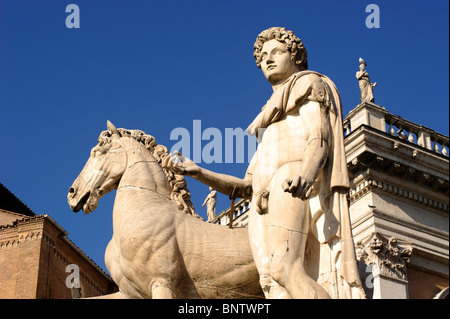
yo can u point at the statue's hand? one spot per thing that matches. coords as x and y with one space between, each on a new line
298 187
178 164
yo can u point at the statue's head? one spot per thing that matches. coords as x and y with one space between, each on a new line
362 64
271 41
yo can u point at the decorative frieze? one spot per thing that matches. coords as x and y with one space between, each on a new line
17 239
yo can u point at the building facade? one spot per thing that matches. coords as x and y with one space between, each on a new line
399 204
399 209
38 261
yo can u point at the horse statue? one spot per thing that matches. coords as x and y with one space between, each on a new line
160 248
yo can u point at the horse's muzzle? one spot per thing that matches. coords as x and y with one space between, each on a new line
79 199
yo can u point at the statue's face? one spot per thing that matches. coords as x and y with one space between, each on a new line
276 62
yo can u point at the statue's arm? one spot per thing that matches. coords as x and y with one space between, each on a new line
226 184
360 74
317 148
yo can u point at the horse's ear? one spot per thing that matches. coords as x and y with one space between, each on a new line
112 129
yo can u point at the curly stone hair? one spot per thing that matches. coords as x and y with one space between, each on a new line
293 45
180 193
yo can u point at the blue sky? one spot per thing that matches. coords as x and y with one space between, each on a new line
159 65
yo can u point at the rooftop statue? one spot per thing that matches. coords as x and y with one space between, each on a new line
365 85
299 226
210 202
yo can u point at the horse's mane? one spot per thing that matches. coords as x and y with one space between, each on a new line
180 194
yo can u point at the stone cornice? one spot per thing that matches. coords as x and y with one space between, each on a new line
371 184
376 160
423 237
377 117
366 139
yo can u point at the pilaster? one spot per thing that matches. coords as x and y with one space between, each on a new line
385 259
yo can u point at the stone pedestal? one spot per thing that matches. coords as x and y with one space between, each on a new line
370 114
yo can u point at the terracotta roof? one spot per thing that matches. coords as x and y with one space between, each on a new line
20 218
12 213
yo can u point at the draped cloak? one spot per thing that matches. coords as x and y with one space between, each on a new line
365 86
330 256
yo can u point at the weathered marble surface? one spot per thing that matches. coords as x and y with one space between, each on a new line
299 228
160 248
299 224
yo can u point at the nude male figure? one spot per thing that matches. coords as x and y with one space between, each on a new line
294 135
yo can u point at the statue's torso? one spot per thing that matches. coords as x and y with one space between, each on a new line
282 144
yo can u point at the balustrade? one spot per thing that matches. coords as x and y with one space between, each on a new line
376 116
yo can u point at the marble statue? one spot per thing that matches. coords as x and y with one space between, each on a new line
299 225
210 202
365 85
160 247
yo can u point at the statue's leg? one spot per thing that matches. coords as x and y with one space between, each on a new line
287 233
258 242
161 291
298 282
116 295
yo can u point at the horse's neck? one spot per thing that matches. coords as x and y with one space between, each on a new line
143 190
143 172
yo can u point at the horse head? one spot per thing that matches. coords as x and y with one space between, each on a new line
100 175
118 149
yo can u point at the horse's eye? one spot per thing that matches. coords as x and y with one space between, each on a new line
98 151
95 152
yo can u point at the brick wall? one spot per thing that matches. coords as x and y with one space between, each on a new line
19 260
34 255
